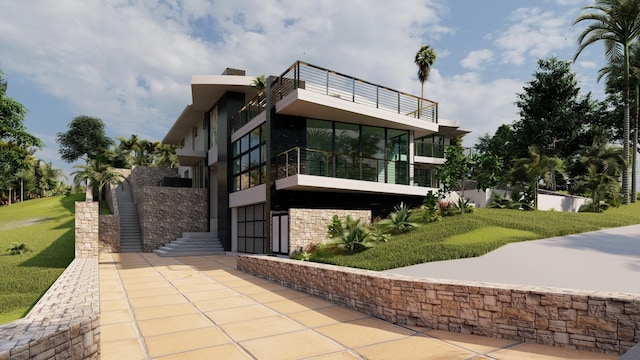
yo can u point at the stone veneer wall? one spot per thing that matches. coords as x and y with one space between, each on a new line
166 212
585 320
309 226
86 229
109 233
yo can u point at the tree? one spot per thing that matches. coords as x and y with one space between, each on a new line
259 82
599 166
617 24
425 58
98 174
15 141
533 170
85 139
552 115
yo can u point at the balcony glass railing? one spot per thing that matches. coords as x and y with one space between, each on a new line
322 163
430 150
313 78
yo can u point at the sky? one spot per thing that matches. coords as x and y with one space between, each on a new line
129 62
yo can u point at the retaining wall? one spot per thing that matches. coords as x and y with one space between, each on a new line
585 320
309 226
109 233
166 212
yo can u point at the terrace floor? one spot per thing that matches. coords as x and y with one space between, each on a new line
202 307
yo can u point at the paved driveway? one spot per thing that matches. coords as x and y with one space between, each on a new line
605 260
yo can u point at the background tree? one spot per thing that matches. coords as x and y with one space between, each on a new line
259 82
425 58
85 139
15 141
617 24
533 170
98 174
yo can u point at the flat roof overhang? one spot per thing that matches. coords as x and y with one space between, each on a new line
302 182
206 90
189 157
451 128
310 104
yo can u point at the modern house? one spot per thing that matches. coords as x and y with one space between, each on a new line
312 139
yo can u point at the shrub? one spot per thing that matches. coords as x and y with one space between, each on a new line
398 221
17 249
349 234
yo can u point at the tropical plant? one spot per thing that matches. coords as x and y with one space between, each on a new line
516 200
602 166
17 249
617 24
259 82
350 234
531 171
425 58
96 174
398 221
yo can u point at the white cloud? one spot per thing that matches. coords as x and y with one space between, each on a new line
534 33
477 59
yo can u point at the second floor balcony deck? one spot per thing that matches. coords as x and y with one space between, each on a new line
311 91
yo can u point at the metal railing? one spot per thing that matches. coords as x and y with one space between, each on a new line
252 109
313 78
323 163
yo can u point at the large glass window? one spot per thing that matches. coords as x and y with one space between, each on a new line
431 146
359 152
251 229
249 160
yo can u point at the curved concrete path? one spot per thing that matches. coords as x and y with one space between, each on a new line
605 260
202 307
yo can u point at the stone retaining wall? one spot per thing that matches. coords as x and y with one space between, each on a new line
166 212
64 324
109 233
585 320
309 226
86 229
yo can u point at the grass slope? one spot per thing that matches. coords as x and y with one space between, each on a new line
46 226
476 234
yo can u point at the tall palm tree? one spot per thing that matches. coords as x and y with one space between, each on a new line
425 58
617 24
614 73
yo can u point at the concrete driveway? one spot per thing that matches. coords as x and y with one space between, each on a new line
605 260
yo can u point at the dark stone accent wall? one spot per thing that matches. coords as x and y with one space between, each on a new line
228 106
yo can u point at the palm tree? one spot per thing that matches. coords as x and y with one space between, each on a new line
425 57
617 24
614 73
165 156
97 174
603 164
260 83
535 169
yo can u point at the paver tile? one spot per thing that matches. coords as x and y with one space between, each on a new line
185 341
261 288
413 347
243 313
542 352
480 344
115 317
162 311
172 324
129 349
115 332
254 329
223 303
226 352
267 297
213 294
111 305
298 305
364 332
158 291
326 316
295 345
141 302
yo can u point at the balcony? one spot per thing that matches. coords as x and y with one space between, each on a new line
248 112
426 153
315 170
189 157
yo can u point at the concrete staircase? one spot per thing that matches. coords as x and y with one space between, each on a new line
192 244
130 236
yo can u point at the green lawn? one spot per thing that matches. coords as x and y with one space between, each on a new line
476 234
46 226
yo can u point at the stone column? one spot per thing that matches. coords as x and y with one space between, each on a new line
87 229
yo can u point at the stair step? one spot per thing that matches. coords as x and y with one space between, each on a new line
164 253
